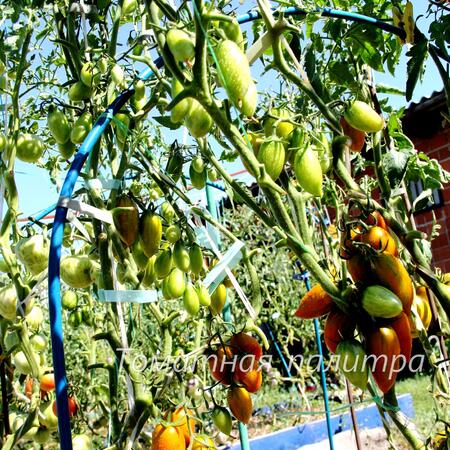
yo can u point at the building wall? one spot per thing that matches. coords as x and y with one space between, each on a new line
438 147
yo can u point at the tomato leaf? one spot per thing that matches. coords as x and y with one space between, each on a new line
166 122
395 164
415 66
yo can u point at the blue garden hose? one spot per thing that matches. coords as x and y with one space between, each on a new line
54 285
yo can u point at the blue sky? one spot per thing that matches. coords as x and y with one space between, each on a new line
37 192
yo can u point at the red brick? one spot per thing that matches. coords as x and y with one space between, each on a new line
440 241
441 253
438 140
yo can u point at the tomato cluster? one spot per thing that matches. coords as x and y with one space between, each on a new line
236 365
380 307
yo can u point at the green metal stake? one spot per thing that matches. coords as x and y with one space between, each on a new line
226 313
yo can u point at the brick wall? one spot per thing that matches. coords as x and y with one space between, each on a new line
438 147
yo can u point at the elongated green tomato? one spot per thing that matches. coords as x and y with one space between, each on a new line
191 301
308 171
173 233
222 419
324 153
126 219
41 436
81 128
150 233
198 121
165 289
198 180
250 100
272 155
212 174
69 300
181 109
34 318
8 302
283 128
196 259
3 142
47 417
128 7
38 342
363 117
29 148
58 125
79 92
218 299
381 302
198 164
149 273
203 294
122 125
352 362
233 70
167 212
139 89
233 32
90 74
181 257
180 44
67 149
32 252
77 271
21 363
177 283
139 256
117 75
75 318
163 264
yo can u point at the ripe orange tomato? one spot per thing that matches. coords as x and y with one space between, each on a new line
47 382
219 370
357 137
315 303
29 387
250 378
73 407
240 403
338 326
167 438
186 425
379 239
244 344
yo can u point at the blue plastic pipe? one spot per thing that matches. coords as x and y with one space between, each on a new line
54 285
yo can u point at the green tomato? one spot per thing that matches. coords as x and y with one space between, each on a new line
233 32
198 164
250 100
3 142
234 71
308 171
212 174
283 129
122 125
176 283
181 109
138 255
79 92
8 302
149 273
198 121
42 436
198 180
381 302
81 128
191 301
150 233
196 259
363 117
58 125
180 44
69 300
29 148
222 419
168 212
218 299
128 7
203 294
47 417
82 442
67 150
163 264
21 363
180 256
78 271
90 74
117 75
173 233
273 156
139 89
75 318
38 342
32 252
352 362
34 318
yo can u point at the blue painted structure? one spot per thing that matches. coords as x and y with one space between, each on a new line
309 433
